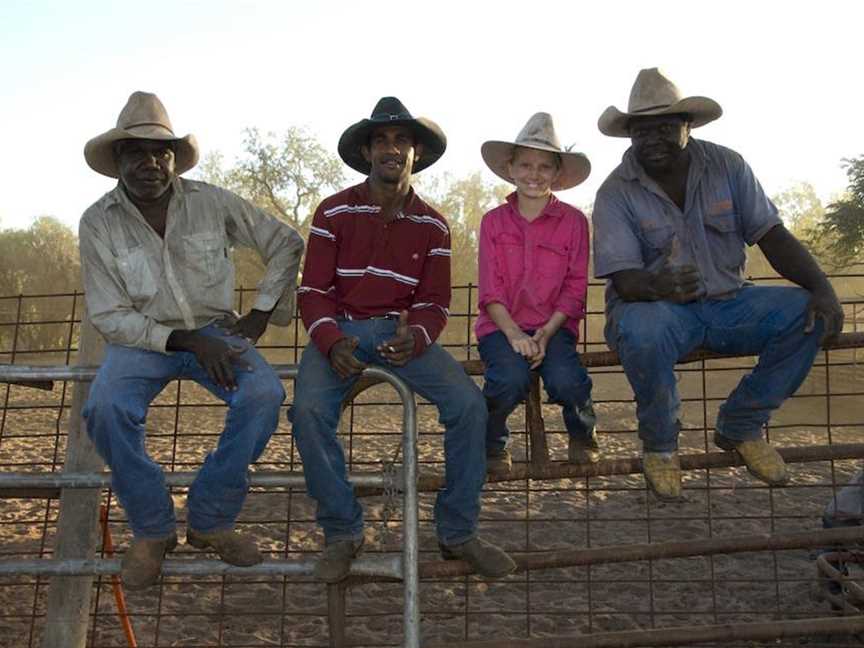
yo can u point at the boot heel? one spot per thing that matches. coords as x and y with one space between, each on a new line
724 443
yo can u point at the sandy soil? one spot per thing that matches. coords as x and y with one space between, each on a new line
522 516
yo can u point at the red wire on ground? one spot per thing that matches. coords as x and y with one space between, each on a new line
116 585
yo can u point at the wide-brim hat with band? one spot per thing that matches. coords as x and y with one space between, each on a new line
389 111
143 117
654 94
538 133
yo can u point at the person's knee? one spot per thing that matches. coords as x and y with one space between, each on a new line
509 389
647 327
262 393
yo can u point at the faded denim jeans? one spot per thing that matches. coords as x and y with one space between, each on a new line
437 377
116 410
650 337
508 378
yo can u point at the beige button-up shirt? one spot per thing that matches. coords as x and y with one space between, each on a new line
140 287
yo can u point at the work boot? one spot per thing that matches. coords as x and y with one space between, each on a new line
335 561
233 547
763 461
499 461
486 559
582 450
663 475
142 562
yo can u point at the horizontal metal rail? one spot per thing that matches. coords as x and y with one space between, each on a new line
681 635
384 566
271 479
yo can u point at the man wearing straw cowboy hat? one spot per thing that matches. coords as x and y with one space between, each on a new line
375 290
670 227
159 285
533 280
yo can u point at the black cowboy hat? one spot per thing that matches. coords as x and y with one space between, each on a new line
389 111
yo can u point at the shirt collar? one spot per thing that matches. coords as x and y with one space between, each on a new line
553 208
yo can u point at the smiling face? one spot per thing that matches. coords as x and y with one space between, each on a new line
534 172
392 152
659 141
146 167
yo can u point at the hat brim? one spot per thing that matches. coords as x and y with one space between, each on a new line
99 151
701 110
575 167
426 131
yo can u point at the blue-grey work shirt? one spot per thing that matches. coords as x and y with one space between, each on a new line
636 223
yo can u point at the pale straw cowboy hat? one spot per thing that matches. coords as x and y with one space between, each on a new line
654 94
389 111
143 117
538 133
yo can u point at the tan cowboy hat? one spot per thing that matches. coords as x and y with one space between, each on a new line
389 111
143 117
538 133
654 94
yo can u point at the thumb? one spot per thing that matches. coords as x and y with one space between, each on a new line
353 342
402 326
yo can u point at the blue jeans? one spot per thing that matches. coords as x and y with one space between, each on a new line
651 337
127 382
508 379
437 377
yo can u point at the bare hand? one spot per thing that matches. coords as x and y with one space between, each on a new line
676 283
824 304
342 358
541 339
251 326
522 343
219 358
399 349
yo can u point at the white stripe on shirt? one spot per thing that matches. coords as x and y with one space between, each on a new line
318 322
428 219
378 272
351 209
322 232
444 252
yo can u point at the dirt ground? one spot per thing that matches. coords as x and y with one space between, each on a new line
521 516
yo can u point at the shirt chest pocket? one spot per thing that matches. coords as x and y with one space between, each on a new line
551 266
136 274
509 257
207 257
725 241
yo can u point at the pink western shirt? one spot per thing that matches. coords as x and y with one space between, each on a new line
533 268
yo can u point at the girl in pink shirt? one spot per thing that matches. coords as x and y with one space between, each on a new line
533 282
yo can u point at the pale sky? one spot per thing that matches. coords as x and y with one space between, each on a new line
787 75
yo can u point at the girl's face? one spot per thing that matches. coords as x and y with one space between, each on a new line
533 172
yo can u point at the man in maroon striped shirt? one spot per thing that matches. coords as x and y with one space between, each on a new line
376 288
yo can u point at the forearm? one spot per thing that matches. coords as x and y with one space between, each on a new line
555 322
499 314
792 261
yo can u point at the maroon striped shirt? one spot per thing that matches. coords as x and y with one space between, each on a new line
358 267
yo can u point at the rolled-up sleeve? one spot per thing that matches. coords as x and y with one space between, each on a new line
108 304
616 245
758 214
280 247
491 284
571 299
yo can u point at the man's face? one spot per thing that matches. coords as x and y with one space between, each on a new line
659 141
146 167
391 152
533 172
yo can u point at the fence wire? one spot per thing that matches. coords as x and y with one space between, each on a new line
527 516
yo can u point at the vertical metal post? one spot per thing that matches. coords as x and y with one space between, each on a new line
536 427
336 614
68 608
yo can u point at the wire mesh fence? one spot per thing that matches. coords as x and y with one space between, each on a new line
526 516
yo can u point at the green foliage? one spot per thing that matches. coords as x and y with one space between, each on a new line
463 202
841 231
40 260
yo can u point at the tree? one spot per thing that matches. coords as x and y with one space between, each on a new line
40 260
285 174
841 231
